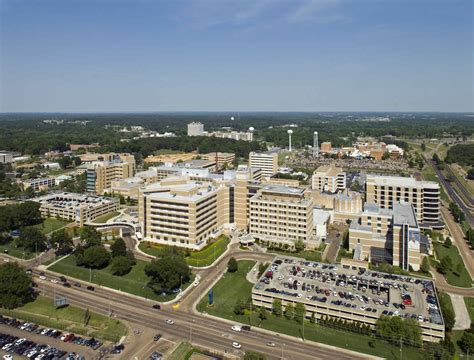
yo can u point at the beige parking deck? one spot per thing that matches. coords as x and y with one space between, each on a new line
351 294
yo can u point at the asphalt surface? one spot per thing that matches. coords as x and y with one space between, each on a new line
202 330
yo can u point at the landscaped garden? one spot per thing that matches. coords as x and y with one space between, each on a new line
135 282
201 258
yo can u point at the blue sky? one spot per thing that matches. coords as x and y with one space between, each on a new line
245 55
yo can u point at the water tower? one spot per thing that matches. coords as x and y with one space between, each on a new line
315 144
251 130
289 139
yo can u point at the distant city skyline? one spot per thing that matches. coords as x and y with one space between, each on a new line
247 55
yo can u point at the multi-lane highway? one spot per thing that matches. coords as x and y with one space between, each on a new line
202 330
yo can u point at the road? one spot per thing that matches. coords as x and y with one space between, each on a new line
208 332
202 330
451 192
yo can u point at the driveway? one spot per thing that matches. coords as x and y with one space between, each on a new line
463 321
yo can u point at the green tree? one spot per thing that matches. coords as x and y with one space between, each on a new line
239 307
32 239
445 265
448 242
300 312
96 257
447 311
120 265
425 265
232 265
118 248
15 286
299 245
423 147
466 343
62 242
90 236
470 236
458 269
470 174
262 313
277 307
289 311
168 271
386 155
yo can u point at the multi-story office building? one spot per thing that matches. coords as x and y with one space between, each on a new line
387 235
247 183
222 160
39 184
184 212
195 129
76 207
6 158
282 214
267 161
329 179
423 195
325 147
101 174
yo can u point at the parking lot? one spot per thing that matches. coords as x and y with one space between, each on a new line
29 341
361 295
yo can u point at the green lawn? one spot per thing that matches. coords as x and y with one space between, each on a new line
43 312
470 307
183 351
200 258
11 248
134 282
50 225
234 286
104 218
461 280
429 174
310 255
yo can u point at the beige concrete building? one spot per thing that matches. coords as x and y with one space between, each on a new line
325 147
267 161
76 207
184 212
39 184
423 195
282 214
387 235
195 129
247 183
329 178
100 174
222 160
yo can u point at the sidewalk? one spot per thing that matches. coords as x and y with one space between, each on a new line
463 321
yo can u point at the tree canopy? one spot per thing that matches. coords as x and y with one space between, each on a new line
32 239
168 271
15 286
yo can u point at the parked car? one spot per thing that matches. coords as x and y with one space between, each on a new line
236 345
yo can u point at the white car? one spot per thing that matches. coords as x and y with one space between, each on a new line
7 357
271 344
170 322
42 277
44 331
63 337
237 328
236 345
54 281
196 283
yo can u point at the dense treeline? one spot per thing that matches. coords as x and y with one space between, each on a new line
19 215
148 146
462 154
339 128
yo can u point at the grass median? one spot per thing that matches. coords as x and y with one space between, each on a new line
233 287
456 277
104 218
200 258
133 283
43 312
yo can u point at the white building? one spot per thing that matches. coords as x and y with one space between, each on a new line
195 129
267 161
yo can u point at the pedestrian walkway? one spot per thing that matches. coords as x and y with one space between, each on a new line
462 319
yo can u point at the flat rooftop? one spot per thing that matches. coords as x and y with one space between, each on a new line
403 213
385 180
362 292
71 200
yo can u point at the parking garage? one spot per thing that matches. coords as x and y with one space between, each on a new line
353 295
